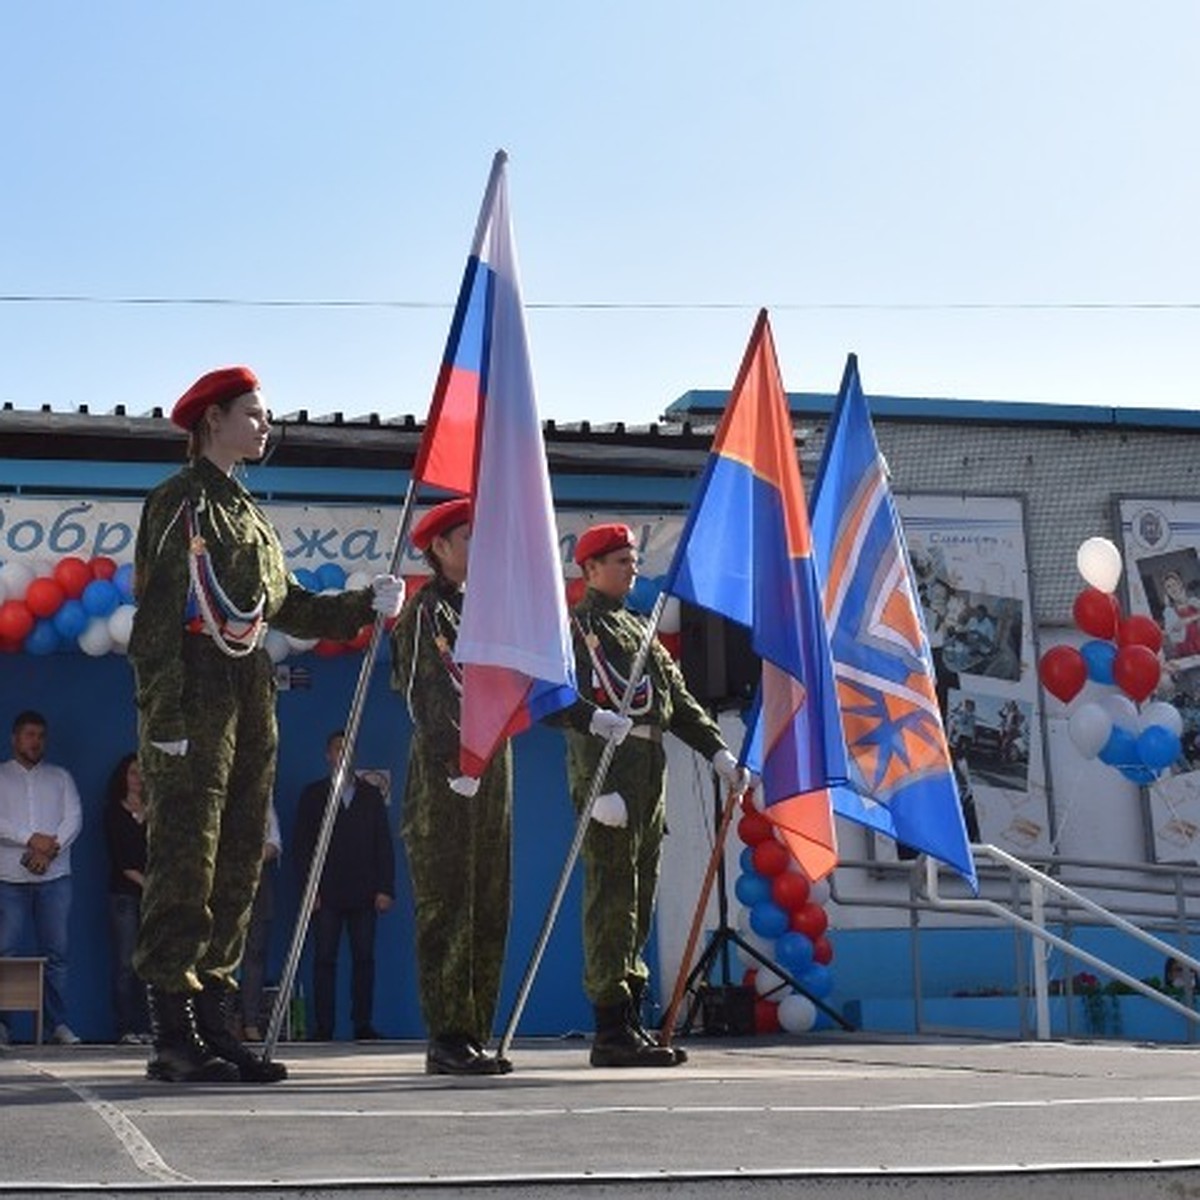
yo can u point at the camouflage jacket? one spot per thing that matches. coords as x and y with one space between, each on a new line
423 671
662 699
249 564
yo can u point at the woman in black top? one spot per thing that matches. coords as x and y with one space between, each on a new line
125 833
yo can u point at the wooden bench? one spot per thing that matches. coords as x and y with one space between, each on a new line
22 988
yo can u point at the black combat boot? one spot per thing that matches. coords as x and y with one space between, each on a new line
212 1021
459 1054
180 1056
616 1044
637 993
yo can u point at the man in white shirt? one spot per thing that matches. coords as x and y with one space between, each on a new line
40 816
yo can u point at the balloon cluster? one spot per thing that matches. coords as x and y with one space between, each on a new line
69 605
1122 651
784 919
88 605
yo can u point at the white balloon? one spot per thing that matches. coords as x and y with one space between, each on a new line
357 580
1122 710
300 645
276 645
1090 726
1099 562
95 639
766 980
16 577
797 1013
120 625
671 618
765 948
1161 713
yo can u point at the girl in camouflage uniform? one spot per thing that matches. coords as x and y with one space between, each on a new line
207 729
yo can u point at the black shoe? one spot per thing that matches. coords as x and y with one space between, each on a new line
212 1021
503 1063
616 1044
367 1033
180 1054
457 1055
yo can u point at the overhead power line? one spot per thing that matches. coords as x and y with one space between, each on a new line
620 305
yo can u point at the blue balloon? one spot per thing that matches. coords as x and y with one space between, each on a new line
794 952
100 598
307 579
1158 746
1098 657
330 575
1120 750
70 620
42 639
767 919
752 888
746 860
123 581
1140 774
823 1020
817 980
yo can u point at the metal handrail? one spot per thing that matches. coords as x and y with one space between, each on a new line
1040 883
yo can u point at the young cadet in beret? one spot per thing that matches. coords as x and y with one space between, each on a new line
622 848
457 830
207 728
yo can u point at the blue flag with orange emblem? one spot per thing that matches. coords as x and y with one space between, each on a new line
903 781
746 554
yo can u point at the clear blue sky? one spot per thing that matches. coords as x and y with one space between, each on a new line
867 169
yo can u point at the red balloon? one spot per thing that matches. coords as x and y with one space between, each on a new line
1097 613
576 588
328 649
72 575
102 567
749 976
360 639
1136 671
810 921
44 597
766 1016
1139 630
747 803
1063 672
769 858
822 950
754 828
789 891
16 621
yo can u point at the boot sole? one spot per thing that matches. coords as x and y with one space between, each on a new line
219 1072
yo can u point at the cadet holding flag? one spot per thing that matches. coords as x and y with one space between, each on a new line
622 848
207 727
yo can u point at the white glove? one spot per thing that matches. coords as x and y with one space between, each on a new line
174 749
611 725
610 809
389 595
725 765
464 785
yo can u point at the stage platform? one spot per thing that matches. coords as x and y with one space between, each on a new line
842 1115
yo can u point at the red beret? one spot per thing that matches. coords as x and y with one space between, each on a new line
213 388
440 520
601 540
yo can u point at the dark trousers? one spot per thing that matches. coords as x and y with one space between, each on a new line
328 924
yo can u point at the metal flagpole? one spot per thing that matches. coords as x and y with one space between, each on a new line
581 825
336 784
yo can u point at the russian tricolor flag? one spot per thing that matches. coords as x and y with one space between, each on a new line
746 554
484 440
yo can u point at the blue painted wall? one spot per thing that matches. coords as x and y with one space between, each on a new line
89 705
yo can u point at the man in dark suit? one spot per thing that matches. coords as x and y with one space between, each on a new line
357 883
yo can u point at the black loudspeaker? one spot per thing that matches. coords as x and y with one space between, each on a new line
719 664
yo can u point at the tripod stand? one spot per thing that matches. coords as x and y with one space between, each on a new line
695 982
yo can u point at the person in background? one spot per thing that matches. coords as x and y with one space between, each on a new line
358 882
258 933
125 837
622 848
40 817
210 577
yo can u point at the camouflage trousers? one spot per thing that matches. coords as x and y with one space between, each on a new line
206 821
460 861
621 868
